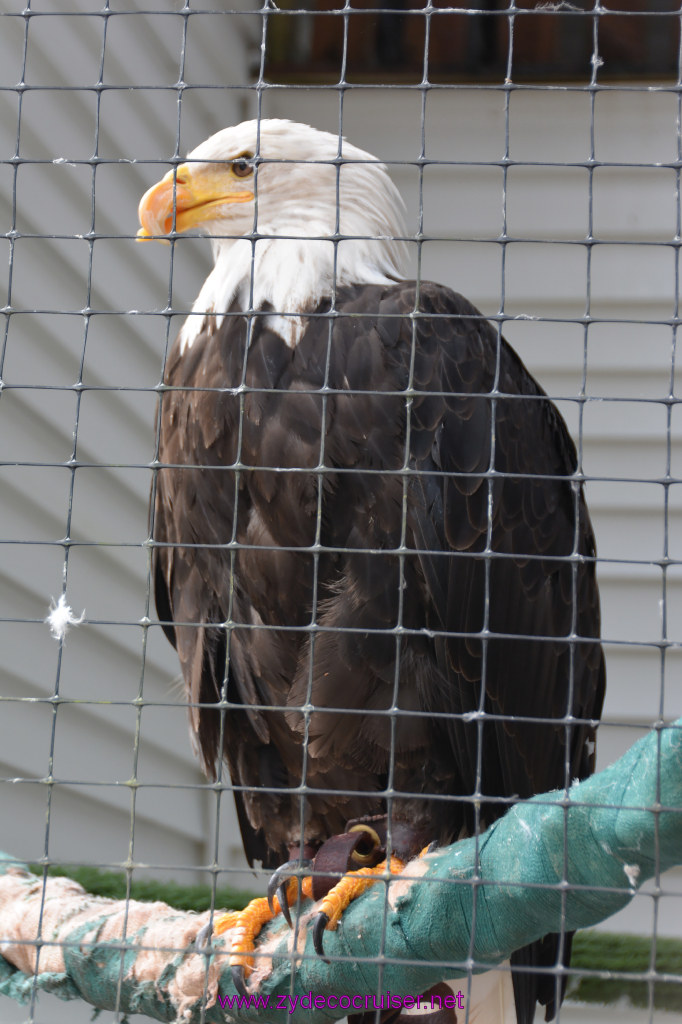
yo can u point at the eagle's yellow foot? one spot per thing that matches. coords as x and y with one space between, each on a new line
342 895
245 925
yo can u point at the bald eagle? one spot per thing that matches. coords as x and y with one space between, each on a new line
371 546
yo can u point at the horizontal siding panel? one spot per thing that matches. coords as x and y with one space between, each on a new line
111 505
636 127
24 515
625 534
159 752
617 273
51 43
626 418
541 203
549 280
611 458
640 685
36 425
613 740
43 350
634 204
61 266
619 352
105 828
445 200
120 597
633 599
97 663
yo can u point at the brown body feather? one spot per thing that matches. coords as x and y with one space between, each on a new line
361 542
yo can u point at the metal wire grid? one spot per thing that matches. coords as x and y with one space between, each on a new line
259 90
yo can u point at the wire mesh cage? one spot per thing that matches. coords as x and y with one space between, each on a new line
537 151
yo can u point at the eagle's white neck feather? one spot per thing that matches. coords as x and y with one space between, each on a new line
294 263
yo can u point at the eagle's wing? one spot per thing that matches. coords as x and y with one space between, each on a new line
506 497
196 587
494 465
455 518
495 587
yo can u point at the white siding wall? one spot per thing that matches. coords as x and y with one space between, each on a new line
543 270
92 739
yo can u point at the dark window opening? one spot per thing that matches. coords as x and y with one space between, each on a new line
385 40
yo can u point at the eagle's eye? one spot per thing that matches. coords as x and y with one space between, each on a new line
241 167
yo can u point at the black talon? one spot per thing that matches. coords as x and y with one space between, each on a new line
203 937
279 882
319 927
239 979
283 902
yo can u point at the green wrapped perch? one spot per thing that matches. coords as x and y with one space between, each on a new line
557 861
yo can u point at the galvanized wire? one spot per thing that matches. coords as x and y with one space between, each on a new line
258 86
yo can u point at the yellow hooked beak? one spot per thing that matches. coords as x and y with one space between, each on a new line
188 198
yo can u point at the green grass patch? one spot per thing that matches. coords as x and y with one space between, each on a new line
113 884
623 955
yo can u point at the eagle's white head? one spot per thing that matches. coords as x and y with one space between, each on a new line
291 214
